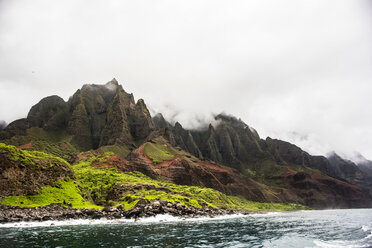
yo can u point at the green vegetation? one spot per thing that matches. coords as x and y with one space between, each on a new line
99 183
105 186
32 158
57 143
64 191
158 152
122 151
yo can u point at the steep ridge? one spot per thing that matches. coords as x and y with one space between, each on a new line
95 116
366 167
291 172
186 169
350 172
228 156
24 173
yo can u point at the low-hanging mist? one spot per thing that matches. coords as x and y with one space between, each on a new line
294 70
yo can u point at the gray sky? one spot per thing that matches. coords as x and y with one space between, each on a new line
296 70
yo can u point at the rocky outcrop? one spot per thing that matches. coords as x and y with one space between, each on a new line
51 113
194 172
345 169
18 127
185 140
79 127
141 124
117 128
350 172
96 115
287 153
228 156
143 208
320 191
24 174
230 142
366 167
234 144
160 122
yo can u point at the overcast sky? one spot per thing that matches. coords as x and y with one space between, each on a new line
295 70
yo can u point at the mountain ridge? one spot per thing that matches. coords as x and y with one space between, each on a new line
228 156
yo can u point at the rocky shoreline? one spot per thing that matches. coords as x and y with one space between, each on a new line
142 209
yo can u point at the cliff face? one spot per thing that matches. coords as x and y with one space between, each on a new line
297 176
228 156
96 115
350 172
25 173
108 116
230 142
287 153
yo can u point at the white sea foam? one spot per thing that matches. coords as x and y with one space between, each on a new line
340 244
366 228
69 222
156 219
365 242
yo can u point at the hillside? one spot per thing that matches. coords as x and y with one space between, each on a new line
104 149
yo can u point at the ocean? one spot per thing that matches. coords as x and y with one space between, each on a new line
318 228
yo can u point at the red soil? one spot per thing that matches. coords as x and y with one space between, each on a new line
25 146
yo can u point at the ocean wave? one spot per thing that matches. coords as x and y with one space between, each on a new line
365 242
161 218
366 228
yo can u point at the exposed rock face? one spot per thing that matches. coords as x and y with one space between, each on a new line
236 145
310 188
366 167
320 191
117 128
109 116
50 113
364 164
350 172
18 127
79 126
185 140
160 122
287 153
199 173
142 209
17 177
231 142
345 169
96 115
104 115
141 124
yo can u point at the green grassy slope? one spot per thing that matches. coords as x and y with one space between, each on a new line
57 143
96 186
100 182
158 152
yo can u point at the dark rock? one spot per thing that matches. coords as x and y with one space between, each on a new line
156 204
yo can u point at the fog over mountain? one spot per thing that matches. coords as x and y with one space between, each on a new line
295 70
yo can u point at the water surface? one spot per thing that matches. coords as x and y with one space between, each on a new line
326 228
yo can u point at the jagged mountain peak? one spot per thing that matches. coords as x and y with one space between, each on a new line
110 88
160 122
178 125
229 118
106 117
96 115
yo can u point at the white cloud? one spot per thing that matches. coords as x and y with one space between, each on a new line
282 66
